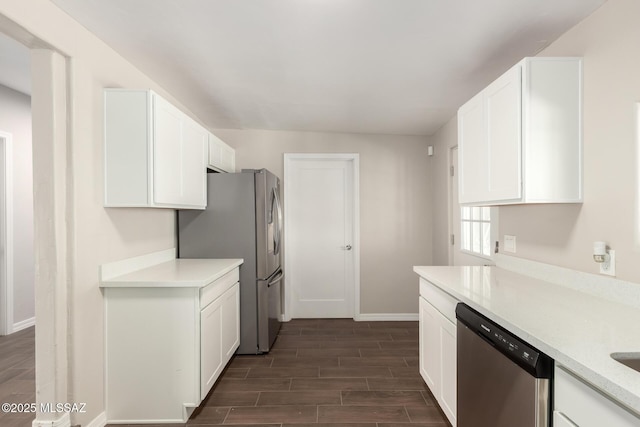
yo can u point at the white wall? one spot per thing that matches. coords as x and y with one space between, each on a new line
563 234
395 214
95 235
15 118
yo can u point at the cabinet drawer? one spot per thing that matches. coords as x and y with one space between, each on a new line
216 288
442 301
585 406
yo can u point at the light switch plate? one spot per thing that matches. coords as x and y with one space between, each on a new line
509 243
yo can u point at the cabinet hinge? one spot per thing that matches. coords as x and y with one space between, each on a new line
453 239
452 170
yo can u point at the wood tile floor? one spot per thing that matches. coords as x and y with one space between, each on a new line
17 375
327 372
320 373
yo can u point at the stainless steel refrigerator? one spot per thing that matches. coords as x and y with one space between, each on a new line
243 219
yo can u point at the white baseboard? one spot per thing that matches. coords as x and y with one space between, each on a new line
387 317
63 421
23 324
99 421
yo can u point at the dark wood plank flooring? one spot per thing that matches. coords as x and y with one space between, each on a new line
326 372
17 375
320 373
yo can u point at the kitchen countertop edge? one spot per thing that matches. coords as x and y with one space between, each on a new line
176 273
626 394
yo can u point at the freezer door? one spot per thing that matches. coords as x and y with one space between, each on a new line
269 310
268 223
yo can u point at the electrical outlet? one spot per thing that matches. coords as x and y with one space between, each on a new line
509 243
609 267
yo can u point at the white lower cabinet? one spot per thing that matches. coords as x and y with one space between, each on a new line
220 323
430 359
210 351
577 404
166 347
438 346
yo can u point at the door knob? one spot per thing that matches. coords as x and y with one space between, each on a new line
348 247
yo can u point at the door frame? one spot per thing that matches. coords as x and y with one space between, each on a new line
453 165
289 160
6 233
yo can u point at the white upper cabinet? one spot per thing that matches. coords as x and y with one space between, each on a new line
222 158
520 139
155 155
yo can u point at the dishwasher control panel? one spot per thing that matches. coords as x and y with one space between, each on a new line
525 355
511 344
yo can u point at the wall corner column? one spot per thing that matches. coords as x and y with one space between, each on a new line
51 232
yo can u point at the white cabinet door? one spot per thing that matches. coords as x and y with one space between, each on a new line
520 140
429 346
193 164
502 101
211 361
230 334
448 371
220 336
222 158
472 147
489 139
155 155
438 357
167 152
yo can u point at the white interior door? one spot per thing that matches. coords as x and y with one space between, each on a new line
321 244
456 256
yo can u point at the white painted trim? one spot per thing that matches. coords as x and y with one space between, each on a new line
53 230
636 214
387 317
450 204
6 233
99 421
63 421
24 324
355 158
129 265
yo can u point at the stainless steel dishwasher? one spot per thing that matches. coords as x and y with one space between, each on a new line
502 380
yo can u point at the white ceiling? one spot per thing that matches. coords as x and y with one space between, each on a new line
364 66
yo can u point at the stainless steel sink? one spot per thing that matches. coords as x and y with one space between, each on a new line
631 360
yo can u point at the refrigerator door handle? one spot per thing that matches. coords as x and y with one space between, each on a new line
276 279
278 235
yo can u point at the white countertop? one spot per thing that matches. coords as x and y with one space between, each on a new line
575 328
176 273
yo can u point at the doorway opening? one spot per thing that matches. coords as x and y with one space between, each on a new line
17 274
